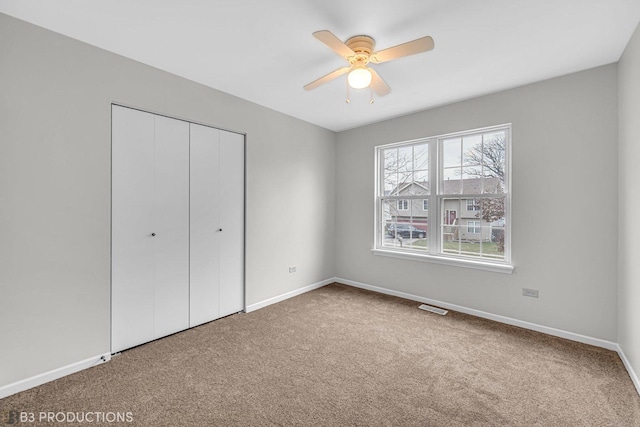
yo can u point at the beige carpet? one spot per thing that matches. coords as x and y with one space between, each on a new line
340 356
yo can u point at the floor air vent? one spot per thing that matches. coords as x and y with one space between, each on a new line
433 309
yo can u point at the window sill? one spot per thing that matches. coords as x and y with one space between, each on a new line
439 259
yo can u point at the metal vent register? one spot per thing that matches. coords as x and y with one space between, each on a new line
432 309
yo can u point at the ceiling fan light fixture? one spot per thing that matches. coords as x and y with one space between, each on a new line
359 77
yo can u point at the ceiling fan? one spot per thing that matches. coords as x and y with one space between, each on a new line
359 53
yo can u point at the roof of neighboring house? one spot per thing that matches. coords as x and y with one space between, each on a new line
452 186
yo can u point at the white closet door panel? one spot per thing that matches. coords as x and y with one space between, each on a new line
232 222
205 225
171 225
132 244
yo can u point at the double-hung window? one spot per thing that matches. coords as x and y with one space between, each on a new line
451 194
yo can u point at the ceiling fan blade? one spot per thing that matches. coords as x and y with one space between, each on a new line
328 38
378 85
332 75
423 44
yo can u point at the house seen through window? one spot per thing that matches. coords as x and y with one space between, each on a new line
446 196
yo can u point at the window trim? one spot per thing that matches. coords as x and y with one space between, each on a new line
435 205
445 260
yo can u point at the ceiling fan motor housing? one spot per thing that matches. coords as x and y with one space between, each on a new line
363 47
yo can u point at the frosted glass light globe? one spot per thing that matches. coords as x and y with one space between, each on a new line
359 78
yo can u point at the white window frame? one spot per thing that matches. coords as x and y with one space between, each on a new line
435 253
425 204
405 204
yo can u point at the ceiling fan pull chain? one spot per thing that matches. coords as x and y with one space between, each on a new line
370 94
348 101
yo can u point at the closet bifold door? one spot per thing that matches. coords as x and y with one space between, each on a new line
150 227
171 226
132 260
205 228
217 224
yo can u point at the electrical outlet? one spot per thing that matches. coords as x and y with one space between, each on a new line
292 269
533 293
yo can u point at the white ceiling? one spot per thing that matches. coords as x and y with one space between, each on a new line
263 51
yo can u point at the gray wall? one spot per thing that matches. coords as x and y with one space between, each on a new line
55 112
564 222
629 202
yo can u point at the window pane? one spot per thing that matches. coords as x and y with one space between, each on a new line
388 215
478 248
389 211
492 244
494 155
403 205
420 184
493 216
478 231
472 205
405 159
450 239
472 156
473 227
450 210
493 185
492 210
472 172
390 184
451 152
452 184
421 157
422 177
471 185
415 233
391 161
404 179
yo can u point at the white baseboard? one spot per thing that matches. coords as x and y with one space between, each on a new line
627 365
287 295
502 319
46 377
